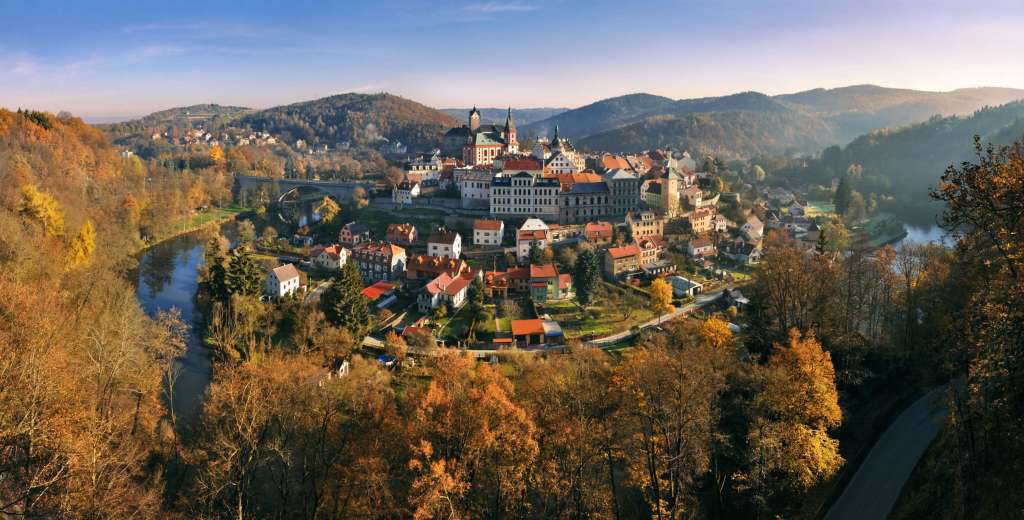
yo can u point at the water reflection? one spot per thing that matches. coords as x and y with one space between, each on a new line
926 235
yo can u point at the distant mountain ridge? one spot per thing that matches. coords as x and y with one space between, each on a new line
492 115
845 113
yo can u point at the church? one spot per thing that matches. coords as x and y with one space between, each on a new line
480 144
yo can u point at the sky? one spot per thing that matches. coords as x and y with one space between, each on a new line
118 59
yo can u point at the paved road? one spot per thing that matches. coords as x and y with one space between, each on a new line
699 302
315 293
876 486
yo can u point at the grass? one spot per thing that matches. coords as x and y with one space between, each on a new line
820 207
213 215
424 219
458 324
602 318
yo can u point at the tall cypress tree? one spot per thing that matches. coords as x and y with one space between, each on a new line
244 276
844 193
585 276
343 303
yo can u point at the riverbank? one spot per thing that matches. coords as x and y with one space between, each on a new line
194 223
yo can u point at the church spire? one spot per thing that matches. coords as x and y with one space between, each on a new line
510 124
555 142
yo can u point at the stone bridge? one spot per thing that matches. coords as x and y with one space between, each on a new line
340 191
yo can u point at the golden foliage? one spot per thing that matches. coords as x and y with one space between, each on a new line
715 331
661 296
82 246
42 208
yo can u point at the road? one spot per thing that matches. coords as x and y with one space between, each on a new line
876 486
315 293
699 302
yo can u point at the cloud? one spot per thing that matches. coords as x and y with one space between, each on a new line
498 7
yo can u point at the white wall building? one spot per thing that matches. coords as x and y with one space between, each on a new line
444 244
488 232
405 192
521 194
534 232
282 281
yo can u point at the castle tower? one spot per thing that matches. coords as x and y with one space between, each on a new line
670 192
474 119
556 142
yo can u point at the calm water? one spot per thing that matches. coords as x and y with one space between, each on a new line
168 275
925 235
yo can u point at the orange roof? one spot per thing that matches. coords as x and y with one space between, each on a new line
377 290
535 234
447 285
521 164
563 281
543 271
598 229
487 225
611 162
624 251
568 179
523 327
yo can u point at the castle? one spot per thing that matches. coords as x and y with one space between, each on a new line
480 144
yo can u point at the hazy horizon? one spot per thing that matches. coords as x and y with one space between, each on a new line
103 61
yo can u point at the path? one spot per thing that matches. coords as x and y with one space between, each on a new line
876 486
699 302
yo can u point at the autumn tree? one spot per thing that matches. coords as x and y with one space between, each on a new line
217 155
393 176
789 446
715 332
661 296
42 208
82 246
327 209
472 445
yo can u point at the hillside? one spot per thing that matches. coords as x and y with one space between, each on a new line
523 116
360 119
178 117
843 113
908 161
728 135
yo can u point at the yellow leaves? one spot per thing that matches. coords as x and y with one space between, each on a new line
82 246
42 208
328 209
715 332
661 296
217 155
196 196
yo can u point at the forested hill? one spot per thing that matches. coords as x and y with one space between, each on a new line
843 114
360 119
728 135
178 117
907 162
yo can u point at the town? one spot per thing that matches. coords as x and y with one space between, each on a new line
488 243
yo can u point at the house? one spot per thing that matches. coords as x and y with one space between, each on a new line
753 229
378 260
796 209
282 281
488 232
445 244
693 195
650 250
700 247
643 224
381 294
533 233
743 252
426 266
701 220
402 234
498 284
445 289
624 188
354 233
599 233
524 194
330 258
684 288
735 297
536 332
721 224
405 192
621 260
475 189
546 284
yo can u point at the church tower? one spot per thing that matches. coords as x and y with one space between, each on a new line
511 143
556 142
474 120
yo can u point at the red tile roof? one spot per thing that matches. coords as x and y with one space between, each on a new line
624 251
377 290
442 237
522 327
521 164
487 225
543 271
445 284
598 229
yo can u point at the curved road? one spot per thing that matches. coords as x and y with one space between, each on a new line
700 301
876 486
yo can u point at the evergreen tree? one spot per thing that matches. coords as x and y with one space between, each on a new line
844 193
243 275
475 295
585 277
344 304
536 254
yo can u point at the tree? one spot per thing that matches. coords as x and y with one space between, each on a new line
359 199
244 276
585 276
758 173
395 347
82 246
834 238
856 210
795 408
344 304
217 155
216 272
536 255
715 332
246 232
661 296
42 208
844 193
269 234
328 209
393 176
475 296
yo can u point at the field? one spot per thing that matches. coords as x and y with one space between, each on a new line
601 319
820 207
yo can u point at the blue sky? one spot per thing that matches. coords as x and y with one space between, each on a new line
106 58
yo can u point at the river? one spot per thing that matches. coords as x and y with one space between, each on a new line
925 235
168 278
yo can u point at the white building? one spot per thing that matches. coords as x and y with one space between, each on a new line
443 290
475 189
522 194
682 287
534 232
282 281
405 192
330 258
753 230
488 232
444 244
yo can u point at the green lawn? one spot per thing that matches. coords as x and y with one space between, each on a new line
820 207
212 215
458 324
610 317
